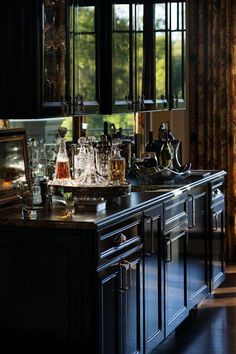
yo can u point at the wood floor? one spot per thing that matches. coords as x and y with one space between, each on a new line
211 329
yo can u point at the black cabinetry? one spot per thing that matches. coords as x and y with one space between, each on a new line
78 57
20 58
198 246
165 269
120 304
120 288
175 261
153 278
35 59
117 282
216 233
54 75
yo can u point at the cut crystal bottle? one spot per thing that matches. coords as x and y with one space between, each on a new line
116 165
62 170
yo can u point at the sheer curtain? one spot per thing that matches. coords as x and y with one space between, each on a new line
212 95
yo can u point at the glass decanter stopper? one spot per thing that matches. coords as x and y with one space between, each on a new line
62 170
116 164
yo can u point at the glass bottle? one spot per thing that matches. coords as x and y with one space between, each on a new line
62 170
103 152
116 165
80 158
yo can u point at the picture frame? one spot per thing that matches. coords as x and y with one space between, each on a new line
14 166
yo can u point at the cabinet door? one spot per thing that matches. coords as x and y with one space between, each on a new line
36 59
84 59
174 243
123 52
197 249
153 280
170 46
20 29
217 234
110 302
120 304
55 75
132 309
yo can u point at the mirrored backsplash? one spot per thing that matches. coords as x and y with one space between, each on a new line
46 129
42 129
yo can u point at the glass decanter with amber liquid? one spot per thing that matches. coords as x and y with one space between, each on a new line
62 170
116 165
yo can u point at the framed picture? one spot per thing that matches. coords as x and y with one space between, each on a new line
14 169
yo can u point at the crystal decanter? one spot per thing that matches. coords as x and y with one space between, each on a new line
116 165
62 170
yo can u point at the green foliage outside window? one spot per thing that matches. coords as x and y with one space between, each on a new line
83 41
122 120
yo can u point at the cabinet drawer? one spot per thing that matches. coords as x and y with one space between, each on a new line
170 241
216 191
119 239
175 211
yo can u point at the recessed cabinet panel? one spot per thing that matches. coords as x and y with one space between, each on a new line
54 39
217 241
110 310
197 248
55 64
120 294
153 279
175 277
217 244
131 312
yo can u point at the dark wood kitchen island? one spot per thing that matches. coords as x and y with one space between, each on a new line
116 282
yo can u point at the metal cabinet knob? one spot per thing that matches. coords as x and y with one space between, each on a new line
119 239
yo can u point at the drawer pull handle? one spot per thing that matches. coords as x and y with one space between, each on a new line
151 251
193 211
167 250
121 238
125 276
215 221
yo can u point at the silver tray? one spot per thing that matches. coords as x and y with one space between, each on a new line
163 174
107 192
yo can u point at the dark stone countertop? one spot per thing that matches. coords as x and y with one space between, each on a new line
136 202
